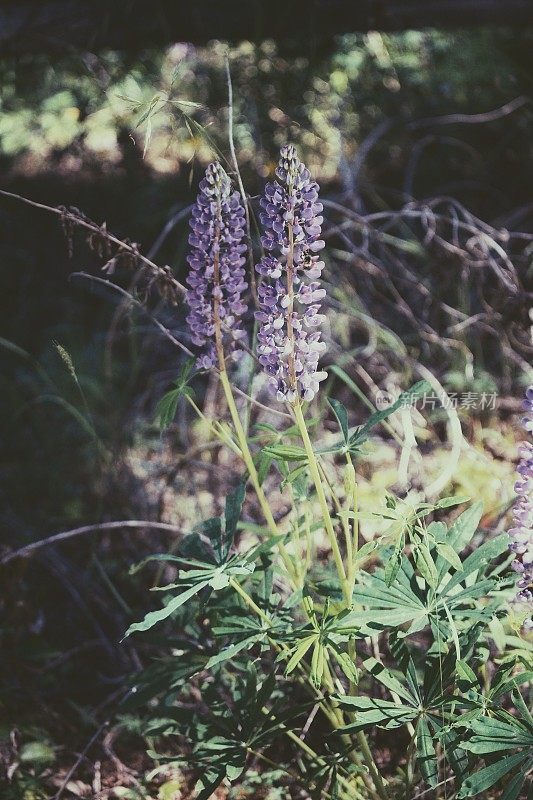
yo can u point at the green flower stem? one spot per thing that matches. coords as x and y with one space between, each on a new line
300 566
308 539
249 462
353 500
328 524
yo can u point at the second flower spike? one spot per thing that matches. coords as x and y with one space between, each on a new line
289 344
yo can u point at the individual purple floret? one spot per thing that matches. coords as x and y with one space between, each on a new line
216 278
521 534
289 295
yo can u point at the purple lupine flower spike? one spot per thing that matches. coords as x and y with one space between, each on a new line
216 278
521 534
289 343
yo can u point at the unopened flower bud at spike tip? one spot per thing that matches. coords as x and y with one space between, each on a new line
521 534
216 265
289 344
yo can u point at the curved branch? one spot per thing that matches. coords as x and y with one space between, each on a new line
29 549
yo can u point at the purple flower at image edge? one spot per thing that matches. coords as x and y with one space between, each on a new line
216 265
288 339
521 534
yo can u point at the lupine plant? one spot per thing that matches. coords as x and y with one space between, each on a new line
281 660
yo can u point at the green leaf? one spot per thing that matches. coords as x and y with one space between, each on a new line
318 661
512 790
370 711
449 502
485 778
405 662
406 398
232 515
466 677
156 557
426 756
219 581
491 735
285 452
293 475
478 559
447 552
342 417
389 606
385 676
166 408
153 617
207 784
520 705
426 565
345 662
229 652
393 565
300 652
234 771
264 462
461 533
194 547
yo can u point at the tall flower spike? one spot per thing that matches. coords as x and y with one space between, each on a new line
289 343
521 534
216 278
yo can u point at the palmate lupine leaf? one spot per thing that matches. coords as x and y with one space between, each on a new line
390 606
372 711
325 637
234 649
211 542
237 723
166 408
385 676
492 733
432 705
353 442
211 576
154 617
432 591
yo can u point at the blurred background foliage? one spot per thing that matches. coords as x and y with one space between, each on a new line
74 113
124 137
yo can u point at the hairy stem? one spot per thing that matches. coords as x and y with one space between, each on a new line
328 524
254 478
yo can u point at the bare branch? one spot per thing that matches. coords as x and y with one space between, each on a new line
29 549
